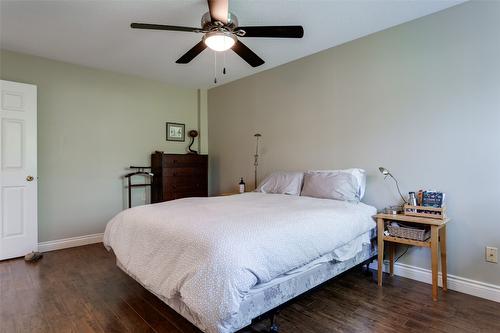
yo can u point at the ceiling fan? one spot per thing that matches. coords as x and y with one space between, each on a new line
221 32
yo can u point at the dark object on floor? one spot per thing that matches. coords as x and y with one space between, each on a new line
33 257
274 328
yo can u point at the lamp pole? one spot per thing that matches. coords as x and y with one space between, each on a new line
256 158
386 174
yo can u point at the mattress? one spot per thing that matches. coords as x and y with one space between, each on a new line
204 256
265 297
341 254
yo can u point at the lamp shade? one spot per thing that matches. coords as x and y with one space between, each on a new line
383 171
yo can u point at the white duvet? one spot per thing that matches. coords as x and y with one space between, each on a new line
209 252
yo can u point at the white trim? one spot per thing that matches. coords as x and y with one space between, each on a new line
457 283
65 243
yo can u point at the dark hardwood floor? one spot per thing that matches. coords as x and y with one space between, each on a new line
81 290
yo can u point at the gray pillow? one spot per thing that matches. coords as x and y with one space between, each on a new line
360 175
336 185
282 182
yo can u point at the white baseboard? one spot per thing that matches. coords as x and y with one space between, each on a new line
65 243
457 283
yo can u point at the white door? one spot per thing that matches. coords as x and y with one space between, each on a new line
18 171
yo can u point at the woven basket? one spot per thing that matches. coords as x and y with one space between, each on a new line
410 233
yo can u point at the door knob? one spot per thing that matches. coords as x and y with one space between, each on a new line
29 178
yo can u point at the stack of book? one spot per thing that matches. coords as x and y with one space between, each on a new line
430 199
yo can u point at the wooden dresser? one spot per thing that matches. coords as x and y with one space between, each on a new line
178 176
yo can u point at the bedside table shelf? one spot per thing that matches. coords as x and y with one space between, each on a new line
413 219
407 241
435 243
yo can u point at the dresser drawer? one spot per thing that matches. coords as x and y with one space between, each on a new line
186 187
174 161
185 171
176 195
182 180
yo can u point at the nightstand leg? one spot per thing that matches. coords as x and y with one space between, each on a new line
434 250
442 242
380 239
392 250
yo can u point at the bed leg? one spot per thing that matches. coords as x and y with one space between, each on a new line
274 328
367 271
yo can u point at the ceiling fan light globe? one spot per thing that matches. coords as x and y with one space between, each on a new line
219 41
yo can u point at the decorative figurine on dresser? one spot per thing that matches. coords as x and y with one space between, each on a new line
192 134
178 176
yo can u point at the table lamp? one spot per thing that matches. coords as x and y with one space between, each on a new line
386 174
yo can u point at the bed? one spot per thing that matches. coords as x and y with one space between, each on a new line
222 261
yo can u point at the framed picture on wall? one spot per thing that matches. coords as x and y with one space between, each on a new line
176 132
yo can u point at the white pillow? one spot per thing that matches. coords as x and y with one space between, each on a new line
331 185
282 182
360 175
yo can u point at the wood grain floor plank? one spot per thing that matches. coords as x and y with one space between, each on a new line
82 290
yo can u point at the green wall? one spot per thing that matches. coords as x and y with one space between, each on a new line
92 125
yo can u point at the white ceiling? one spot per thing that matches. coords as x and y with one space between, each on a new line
97 34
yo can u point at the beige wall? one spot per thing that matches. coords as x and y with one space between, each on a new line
422 99
92 124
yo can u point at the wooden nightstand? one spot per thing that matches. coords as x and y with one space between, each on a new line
438 239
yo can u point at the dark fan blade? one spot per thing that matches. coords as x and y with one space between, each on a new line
286 31
191 54
248 55
162 27
218 10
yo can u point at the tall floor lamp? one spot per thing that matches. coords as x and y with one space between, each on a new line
256 158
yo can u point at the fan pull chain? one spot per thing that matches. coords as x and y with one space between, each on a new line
215 67
224 60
